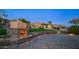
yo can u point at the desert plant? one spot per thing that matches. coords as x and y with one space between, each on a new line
73 29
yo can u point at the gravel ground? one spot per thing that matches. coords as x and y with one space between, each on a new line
54 41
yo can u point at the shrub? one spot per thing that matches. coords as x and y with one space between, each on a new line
3 31
73 30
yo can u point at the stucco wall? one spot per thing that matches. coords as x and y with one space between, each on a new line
13 24
18 24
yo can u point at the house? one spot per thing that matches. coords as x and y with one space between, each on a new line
37 25
41 25
48 26
4 23
18 29
59 27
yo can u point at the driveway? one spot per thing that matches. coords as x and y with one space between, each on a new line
50 41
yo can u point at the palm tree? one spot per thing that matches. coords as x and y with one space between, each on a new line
75 22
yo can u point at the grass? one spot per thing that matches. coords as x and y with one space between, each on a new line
39 30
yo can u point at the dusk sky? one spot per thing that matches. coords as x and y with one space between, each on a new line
57 16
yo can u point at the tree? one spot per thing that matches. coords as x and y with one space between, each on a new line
3 13
74 29
49 22
75 22
3 17
23 20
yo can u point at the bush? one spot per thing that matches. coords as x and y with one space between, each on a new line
73 30
3 31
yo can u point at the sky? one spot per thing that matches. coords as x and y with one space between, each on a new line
57 16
